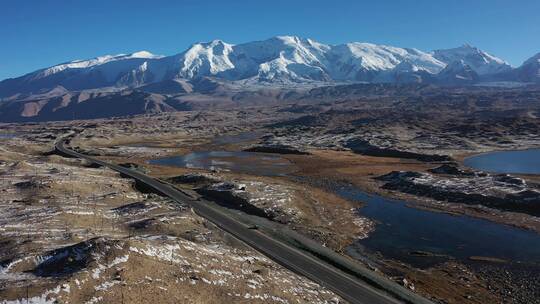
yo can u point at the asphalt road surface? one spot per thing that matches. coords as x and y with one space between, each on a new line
346 286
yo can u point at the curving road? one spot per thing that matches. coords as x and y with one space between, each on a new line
349 288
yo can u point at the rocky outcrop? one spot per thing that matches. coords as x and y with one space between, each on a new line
363 147
501 191
224 194
271 201
278 149
193 179
452 169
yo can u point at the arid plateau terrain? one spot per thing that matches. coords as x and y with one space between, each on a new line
376 174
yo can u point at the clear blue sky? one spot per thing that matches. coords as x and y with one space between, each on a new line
37 34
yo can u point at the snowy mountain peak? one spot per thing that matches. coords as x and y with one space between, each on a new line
533 60
212 44
529 71
467 46
90 63
458 72
205 59
364 61
293 42
144 54
289 39
480 61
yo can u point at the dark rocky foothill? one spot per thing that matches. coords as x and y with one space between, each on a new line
192 179
223 194
131 208
452 169
365 148
278 149
512 195
67 260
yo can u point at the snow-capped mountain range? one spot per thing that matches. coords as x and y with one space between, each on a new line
280 60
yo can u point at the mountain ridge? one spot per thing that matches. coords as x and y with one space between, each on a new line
278 60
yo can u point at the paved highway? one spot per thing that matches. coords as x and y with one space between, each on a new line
348 287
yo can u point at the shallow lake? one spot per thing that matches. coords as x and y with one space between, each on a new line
522 161
242 162
401 231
